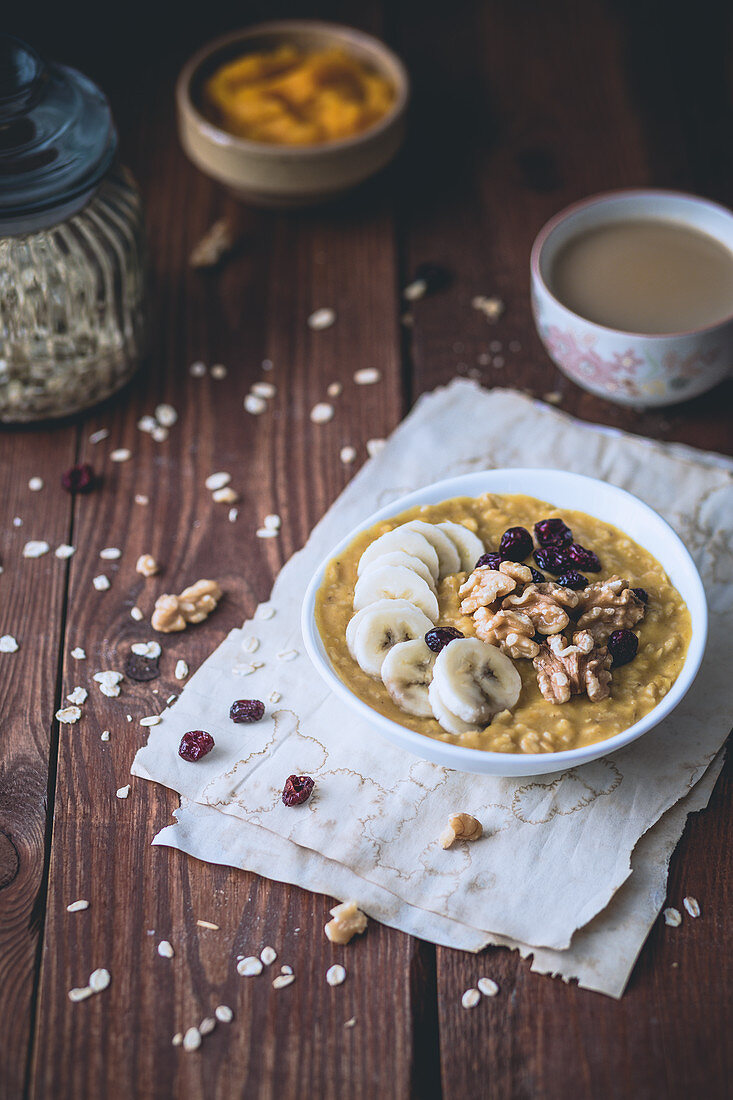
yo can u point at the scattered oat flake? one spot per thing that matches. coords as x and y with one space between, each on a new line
208 924
77 906
146 649
197 369
268 955
321 318
492 308
218 371
287 655
282 980
267 364
322 413
351 1022
265 611
181 670
99 980
692 905
78 696
272 521
274 697
160 434
123 792
227 495
192 1039
151 720
177 1039
165 949
286 970
147 424
101 583
335 975
122 454
233 513
488 987
140 498
80 993
77 653
35 548
334 389
224 1014
254 404
99 436
8 644
374 446
166 415
218 480
347 455
68 715
35 484
266 533
208 1023
554 397
264 389
64 551
217 241
470 998
251 644
672 917
249 967
110 553
17 521
104 735
367 376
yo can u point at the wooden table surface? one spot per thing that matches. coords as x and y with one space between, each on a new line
519 108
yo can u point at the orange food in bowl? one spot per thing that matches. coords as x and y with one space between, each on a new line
288 97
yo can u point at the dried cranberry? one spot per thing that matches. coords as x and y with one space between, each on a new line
78 479
516 544
297 789
140 668
622 645
552 559
641 594
537 577
573 579
438 638
246 710
195 744
584 559
493 561
549 531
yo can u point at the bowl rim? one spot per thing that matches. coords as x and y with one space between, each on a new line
559 761
601 199
341 32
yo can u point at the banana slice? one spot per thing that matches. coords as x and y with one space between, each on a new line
399 557
410 542
476 680
469 546
373 631
406 674
448 557
395 582
447 719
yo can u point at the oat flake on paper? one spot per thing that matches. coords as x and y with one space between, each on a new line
520 884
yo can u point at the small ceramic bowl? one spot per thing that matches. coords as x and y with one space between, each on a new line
564 490
627 367
289 175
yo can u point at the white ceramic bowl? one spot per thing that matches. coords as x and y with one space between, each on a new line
564 490
631 368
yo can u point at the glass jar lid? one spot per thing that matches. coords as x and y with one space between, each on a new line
57 137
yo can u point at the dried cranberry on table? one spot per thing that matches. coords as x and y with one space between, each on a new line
552 559
623 646
246 710
140 668
550 531
195 744
516 544
78 479
641 594
492 561
573 579
584 559
297 789
439 637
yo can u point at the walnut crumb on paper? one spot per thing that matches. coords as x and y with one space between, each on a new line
348 921
461 827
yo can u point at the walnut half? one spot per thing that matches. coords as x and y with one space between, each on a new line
607 606
461 827
545 604
564 670
195 603
486 585
348 921
512 631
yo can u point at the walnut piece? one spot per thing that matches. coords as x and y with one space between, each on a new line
607 606
564 670
484 587
512 631
545 605
147 565
348 921
461 827
195 603
519 573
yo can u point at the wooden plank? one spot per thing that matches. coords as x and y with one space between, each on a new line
533 112
31 609
256 308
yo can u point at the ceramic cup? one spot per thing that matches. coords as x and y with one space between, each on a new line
631 368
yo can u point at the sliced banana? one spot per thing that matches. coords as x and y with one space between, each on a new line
399 557
447 719
406 673
448 558
373 631
476 680
469 546
410 542
395 582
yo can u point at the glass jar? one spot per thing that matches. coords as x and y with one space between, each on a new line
72 263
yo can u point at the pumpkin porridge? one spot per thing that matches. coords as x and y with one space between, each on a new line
503 623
